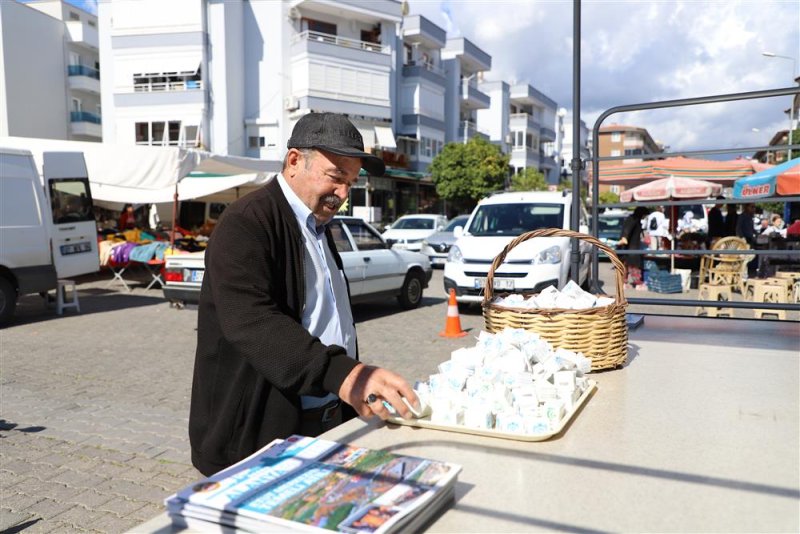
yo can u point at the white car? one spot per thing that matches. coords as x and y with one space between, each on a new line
409 231
373 269
530 266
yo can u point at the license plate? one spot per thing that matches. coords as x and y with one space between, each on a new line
498 283
438 261
197 276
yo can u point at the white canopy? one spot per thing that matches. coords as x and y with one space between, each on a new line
145 174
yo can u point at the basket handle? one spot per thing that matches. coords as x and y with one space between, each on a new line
619 267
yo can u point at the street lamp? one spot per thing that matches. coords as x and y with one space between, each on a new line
791 109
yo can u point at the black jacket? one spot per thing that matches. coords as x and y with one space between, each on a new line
254 359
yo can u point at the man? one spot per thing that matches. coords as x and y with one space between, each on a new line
656 226
276 343
716 223
745 227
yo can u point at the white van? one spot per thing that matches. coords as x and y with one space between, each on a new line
532 265
47 226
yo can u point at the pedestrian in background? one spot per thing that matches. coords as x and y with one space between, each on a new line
731 218
716 224
276 342
631 239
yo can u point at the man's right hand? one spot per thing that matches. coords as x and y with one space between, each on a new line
366 380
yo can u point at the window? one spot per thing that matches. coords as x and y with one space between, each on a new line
257 142
318 26
71 200
157 133
519 139
365 238
615 153
76 105
616 137
142 133
74 16
515 219
339 237
173 133
167 81
91 23
633 151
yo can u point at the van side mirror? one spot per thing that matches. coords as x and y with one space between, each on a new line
458 231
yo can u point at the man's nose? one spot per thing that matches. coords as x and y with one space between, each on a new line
342 191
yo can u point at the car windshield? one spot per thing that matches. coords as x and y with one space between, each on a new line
514 219
414 223
696 209
610 226
458 221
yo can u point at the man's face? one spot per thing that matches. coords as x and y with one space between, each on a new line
322 180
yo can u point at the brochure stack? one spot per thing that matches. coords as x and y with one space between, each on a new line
306 484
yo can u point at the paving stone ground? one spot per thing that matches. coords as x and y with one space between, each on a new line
94 406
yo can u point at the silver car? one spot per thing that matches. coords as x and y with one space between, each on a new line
438 245
374 270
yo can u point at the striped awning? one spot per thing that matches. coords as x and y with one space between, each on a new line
720 172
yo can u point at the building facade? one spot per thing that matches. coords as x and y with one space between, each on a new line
234 77
629 143
567 152
49 71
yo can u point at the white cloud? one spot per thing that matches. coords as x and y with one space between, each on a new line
635 52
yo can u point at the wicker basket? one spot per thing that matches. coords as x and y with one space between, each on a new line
599 333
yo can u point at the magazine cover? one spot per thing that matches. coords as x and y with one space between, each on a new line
308 484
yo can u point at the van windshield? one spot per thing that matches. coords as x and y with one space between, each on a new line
414 223
71 200
515 219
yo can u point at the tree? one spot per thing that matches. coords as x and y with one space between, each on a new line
529 179
609 197
465 173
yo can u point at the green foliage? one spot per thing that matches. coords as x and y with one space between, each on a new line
608 197
465 173
529 179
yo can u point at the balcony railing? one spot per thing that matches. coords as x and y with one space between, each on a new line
428 66
84 116
340 41
83 70
155 87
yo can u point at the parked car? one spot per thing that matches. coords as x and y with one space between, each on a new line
408 231
373 269
530 266
609 227
437 246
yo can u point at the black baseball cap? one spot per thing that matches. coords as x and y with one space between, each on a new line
334 133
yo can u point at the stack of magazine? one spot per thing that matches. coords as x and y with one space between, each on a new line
309 484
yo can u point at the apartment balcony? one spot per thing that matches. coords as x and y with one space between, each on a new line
547 162
524 94
472 97
83 78
425 71
83 123
390 10
472 58
161 93
523 121
419 30
340 75
81 33
467 130
523 156
547 134
327 46
633 143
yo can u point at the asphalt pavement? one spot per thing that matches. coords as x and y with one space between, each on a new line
94 405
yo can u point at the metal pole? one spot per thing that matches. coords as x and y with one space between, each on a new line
576 138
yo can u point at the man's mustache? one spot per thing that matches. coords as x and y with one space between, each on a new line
332 201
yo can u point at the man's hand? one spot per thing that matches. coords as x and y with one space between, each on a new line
364 381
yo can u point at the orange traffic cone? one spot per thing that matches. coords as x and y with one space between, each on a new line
452 327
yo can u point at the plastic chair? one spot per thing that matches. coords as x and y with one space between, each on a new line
61 297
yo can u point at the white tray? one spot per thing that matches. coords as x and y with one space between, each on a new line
425 422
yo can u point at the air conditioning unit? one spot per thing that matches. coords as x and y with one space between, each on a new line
291 104
294 13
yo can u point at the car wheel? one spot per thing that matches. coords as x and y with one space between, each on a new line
411 292
8 300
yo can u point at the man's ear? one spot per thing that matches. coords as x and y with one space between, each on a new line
293 157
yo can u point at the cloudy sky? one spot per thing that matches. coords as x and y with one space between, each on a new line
636 52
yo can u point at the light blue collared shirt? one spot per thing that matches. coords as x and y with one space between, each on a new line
326 310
